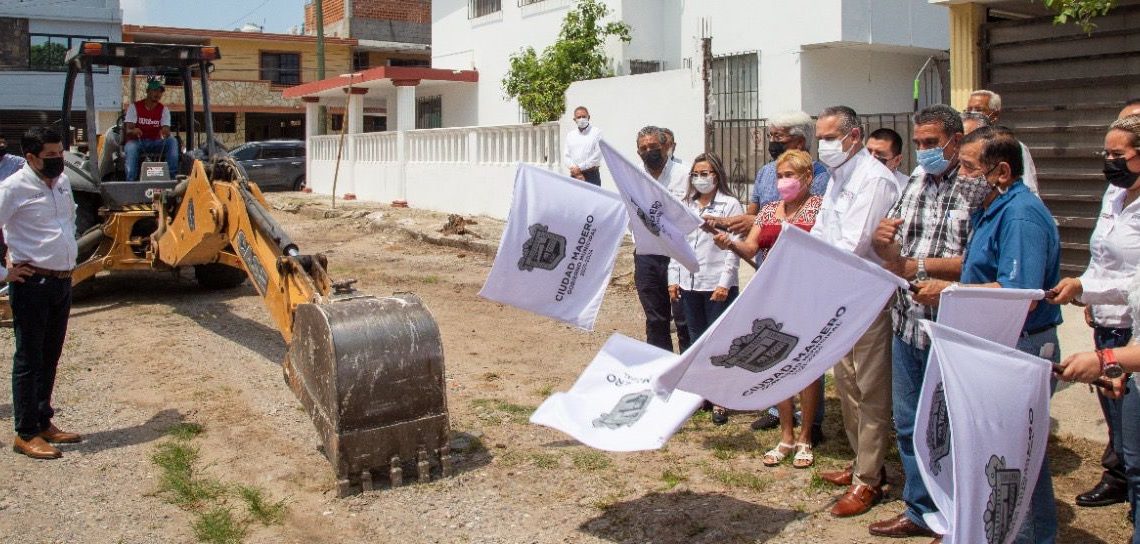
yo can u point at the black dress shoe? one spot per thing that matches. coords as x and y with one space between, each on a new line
1103 494
765 421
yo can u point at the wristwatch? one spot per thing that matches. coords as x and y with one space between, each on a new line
1108 365
920 273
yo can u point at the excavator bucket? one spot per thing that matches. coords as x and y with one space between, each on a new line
370 373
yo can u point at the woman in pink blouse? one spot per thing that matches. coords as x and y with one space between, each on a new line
799 207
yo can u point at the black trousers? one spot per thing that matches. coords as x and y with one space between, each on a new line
1111 459
40 308
651 277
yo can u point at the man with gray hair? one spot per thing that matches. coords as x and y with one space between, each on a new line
786 131
860 192
988 103
651 272
972 120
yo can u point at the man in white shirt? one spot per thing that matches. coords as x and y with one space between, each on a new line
583 154
860 193
9 163
37 214
651 272
988 103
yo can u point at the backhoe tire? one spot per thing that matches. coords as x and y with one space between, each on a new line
218 276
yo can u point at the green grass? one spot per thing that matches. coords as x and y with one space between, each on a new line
544 391
177 482
430 279
590 460
673 477
495 411
260 508
817 484
184 431
218 526
746 480
545 460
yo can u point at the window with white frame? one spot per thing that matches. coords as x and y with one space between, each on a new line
479 8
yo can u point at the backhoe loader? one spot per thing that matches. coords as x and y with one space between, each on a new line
369 370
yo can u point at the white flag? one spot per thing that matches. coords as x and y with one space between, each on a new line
994 409
558 249
612 405
659 221
805 309
996 315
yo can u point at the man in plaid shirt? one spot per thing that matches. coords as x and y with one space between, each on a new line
923 236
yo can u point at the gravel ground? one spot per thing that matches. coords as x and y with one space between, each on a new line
148 351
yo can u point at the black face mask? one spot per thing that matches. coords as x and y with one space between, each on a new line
52 167
775 149
3 151
1117 173
654 159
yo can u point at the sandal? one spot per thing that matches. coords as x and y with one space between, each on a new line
719 415
804 456
777 454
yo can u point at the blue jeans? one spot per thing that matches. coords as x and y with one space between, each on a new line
701 311
166 146
1040 525
1130 449
908 366
1113 459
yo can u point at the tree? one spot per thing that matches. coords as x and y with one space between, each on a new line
540 82
1078 12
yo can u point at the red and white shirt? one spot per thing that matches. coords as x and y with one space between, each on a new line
150 121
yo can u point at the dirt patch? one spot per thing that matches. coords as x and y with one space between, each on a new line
148 351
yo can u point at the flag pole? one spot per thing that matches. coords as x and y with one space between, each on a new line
712 230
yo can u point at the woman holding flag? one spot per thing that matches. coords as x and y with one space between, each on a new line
799 207
706 294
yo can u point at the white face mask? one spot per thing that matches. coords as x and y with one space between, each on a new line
831 152
583 122
704 185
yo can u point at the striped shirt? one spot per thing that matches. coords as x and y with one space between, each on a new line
936 224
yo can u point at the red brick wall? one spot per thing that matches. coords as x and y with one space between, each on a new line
412 11
334 11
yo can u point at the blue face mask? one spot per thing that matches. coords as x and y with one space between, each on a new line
932 160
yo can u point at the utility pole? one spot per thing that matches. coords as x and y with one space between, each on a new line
706 79
319 15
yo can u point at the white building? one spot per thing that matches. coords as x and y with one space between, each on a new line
36 35
769 56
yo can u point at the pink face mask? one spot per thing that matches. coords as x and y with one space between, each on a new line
789 188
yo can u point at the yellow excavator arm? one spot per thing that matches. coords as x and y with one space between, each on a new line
369 370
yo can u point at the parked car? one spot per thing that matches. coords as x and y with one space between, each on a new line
273 164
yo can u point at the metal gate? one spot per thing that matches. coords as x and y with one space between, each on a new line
1061 88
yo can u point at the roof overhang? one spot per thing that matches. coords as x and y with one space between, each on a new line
392 47
384 78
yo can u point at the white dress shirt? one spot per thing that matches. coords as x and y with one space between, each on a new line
1115 259
38 222
860 193
582 149
718 267
675 178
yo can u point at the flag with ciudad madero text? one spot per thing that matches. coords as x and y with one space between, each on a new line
980 438
612 406
659 221
803 311
558 248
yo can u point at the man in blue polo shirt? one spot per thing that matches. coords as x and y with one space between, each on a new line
1015 245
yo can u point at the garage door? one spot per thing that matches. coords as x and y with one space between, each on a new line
1061 88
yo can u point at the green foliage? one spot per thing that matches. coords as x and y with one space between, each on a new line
177 481
218 526
260 508
48 57
539 82
184 431
1079 12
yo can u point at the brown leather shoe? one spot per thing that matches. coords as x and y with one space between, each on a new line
56 436
858 499
837 477
36 448
899 526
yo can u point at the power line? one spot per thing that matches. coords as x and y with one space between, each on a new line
251 12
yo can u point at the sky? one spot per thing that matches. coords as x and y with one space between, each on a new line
275 15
